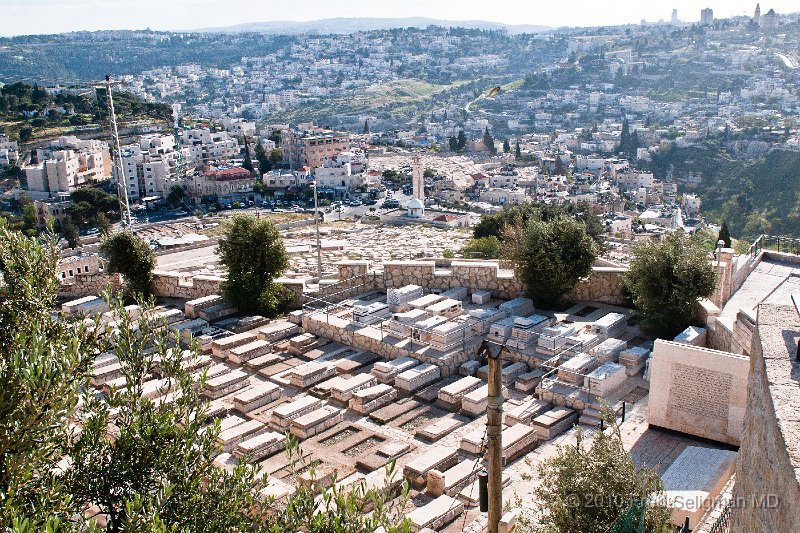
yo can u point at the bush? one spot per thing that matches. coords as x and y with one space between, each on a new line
550 257
484 247
253 253
132 257
666 279
588 488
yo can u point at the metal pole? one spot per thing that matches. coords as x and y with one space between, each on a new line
316 224
120 168
494 418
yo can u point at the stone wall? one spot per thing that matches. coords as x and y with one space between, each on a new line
698 391
604 284
90 284
169 284
767 490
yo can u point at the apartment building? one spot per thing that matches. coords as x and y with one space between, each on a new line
223 184
205 145
151 167
68 164
310 145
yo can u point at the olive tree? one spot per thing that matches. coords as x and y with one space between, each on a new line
666 279
253 253
593 485
549 257
132 257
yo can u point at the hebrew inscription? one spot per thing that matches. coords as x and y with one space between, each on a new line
698 396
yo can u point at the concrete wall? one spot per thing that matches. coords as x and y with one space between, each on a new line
698 391
767 490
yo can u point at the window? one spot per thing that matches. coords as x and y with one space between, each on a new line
70 273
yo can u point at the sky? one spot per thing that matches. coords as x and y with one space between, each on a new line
22 17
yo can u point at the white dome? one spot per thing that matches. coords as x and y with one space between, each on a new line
415 203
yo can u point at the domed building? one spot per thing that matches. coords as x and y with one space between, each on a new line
416 209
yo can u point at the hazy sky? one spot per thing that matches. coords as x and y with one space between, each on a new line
19 17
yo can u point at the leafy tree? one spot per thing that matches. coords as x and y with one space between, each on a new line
70 232
248 162
461 140
132 257
29 223
549 257
264 164
366 127
587 487
517 151
88 203
429 173
488 142
506 146
494 224
452 143
625 137
176 194
484 247
253 253
103 224
275 156
724 234
666 279
25 134
559 170
275 136
43 361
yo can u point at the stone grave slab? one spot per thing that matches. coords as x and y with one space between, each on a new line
451 395
258 395
553 422
529 381
431 392
392 411
260 446
372 399
262 361
436 457
230 438
355 361
435 514
525 412
438 429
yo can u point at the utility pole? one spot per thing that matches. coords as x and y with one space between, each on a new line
494 426
125 212
316 225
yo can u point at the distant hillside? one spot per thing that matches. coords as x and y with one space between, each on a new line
353 25
754 196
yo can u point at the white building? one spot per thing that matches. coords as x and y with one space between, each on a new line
68 164
9 151
205 145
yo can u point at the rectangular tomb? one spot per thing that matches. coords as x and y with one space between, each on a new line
525 412
283 414
220 346
276 331
226 383
432 516
251 350
344 390
605 378
386 371
448 308
368 400
418 377
608 350
474 403
451 395
576 368
256 396
315 422
260 446
481 296
231 437
435 458
553 422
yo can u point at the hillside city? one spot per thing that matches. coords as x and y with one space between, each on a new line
405 277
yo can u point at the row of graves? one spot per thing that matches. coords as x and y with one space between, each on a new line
354 411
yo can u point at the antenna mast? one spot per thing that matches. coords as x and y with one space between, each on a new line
125 214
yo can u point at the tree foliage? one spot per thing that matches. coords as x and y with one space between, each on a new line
485 247
666 279
549 257
132 257
494 224
43 362
253 253
725 235
585 488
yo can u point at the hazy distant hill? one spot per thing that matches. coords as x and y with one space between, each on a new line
352 25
